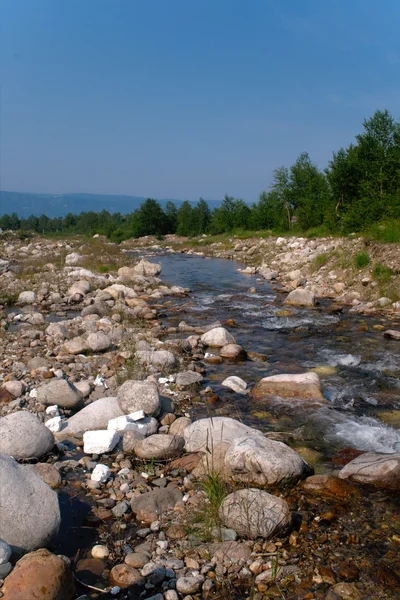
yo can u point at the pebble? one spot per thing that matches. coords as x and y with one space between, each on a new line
100 551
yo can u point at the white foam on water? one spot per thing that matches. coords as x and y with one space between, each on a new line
341 360
366 434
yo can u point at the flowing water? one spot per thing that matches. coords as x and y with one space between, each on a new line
359 368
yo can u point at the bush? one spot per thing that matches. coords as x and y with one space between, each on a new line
382 272
318 262
362 260
388 232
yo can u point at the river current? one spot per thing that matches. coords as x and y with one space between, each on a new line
359 368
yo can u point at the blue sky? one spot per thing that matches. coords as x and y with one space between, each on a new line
186 98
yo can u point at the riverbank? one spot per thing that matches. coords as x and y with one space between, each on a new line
355 271
151 521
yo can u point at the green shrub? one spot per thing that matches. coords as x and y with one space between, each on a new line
387 231
362 260
382 272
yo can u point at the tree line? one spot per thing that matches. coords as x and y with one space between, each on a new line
359 187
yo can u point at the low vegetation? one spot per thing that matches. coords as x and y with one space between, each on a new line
362 260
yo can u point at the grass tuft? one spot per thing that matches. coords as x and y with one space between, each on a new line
362 260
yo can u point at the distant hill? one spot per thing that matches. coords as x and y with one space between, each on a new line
58 205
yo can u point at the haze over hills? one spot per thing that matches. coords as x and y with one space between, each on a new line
59 205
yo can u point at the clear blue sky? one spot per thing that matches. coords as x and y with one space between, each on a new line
186 98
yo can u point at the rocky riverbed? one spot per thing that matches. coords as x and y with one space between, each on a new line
115 482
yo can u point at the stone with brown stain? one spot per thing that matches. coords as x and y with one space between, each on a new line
125 576
40 574
329 485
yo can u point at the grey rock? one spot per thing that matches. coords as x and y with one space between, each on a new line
188 378
22 435
160 446
254 513
139 395
378 469
99 341
162 359
93 417
189 584
300 297
60 392
150 506
27 297
206 433
129 440
257 460
217 337
5 552
29 510
179 426
77 345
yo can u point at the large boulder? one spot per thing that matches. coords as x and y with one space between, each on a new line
94 416
60 392
22 435
40 574
205 434
160 446
374 468
254 513
217 337
150 506
139 395
257 460
29 510
300 297
305 386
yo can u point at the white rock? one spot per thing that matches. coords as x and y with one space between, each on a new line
99 442
73 259
218 337
208 433
53 410
100 473
235 383
27 297
54 424
100 551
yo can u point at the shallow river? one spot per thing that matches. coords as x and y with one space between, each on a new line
359 369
